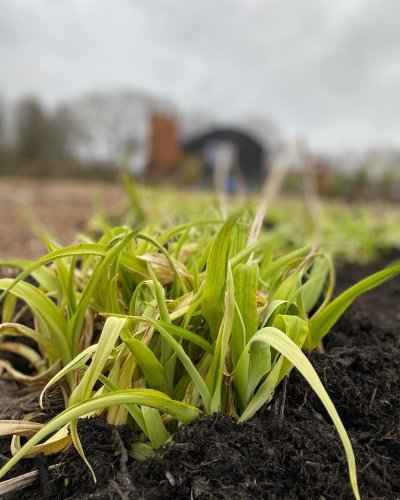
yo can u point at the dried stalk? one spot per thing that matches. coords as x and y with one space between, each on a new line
20 482
270 188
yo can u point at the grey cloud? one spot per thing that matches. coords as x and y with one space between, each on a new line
328 69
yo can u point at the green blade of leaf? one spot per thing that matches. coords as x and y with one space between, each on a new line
156 430
81 249
133 409
153 370
45 276
8 311
297 330
166 350
18 330
215 280
186 361
146 397
321 323
312 289
245 280
76 322
283 344
215 374
286 261
109 335
78 362
141 451
172 330
44 309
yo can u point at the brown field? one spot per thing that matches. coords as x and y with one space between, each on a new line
64 207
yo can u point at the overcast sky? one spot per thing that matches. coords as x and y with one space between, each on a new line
329 69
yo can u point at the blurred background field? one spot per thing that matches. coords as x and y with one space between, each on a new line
63 207
197 98
357 232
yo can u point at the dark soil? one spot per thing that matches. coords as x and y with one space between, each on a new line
300 456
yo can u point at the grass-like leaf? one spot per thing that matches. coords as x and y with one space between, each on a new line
283 344
322 322
215 280
53 322
147 397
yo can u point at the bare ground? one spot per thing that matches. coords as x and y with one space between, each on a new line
64 207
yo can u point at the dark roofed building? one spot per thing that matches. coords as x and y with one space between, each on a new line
242 155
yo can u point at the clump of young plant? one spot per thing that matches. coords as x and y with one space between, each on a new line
152 328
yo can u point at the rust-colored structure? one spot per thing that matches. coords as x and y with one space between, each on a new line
164 148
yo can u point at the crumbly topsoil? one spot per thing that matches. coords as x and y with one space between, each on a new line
297 456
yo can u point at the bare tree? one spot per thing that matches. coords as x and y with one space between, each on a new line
32 128
64 133
114 124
